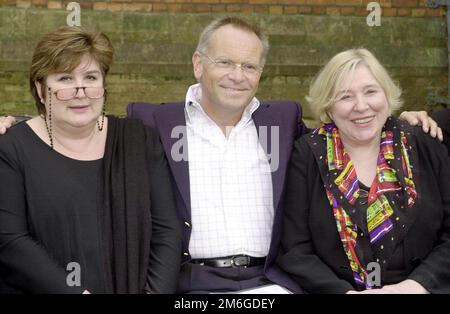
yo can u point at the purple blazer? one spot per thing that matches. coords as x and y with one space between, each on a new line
284 114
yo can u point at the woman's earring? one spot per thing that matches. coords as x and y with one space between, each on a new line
48 124
100 125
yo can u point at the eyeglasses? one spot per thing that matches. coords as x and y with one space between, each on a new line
229 66
70 93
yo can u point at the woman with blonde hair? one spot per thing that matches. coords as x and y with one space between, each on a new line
367 203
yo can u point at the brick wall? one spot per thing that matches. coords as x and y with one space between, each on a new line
415 8
154 49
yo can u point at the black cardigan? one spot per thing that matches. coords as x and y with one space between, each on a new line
312 251
141 242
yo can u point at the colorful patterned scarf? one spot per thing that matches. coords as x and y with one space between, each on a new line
379 210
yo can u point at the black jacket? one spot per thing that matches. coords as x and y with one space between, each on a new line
443 120
312 252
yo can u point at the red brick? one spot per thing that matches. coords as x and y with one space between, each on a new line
261 8
247 8
382 3
188 8
304 9
84 5
389 12
348 10
54 5
321 2
276 9
202 8
290 9
434 12
361 12
159 7
349 2
319 10
9 3
404 12
100 6
115 7
297 2
404 3
333 11
418 12
175 7
218 8
260 1
385 3
233 1
137 6
23 3
39 3
233 8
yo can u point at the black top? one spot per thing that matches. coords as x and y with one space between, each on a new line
61 211
49 217
312 252
396 271
443 120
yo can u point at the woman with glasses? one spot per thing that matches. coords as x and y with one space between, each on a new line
88 206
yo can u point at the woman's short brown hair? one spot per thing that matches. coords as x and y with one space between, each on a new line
63 50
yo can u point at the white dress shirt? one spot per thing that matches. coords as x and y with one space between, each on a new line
230 185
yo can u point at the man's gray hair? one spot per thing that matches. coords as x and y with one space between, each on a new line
205 37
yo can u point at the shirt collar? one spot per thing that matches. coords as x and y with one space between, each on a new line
192 104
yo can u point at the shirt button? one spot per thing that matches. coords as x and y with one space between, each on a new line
188 225
186 254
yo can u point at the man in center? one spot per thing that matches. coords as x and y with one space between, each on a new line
236 150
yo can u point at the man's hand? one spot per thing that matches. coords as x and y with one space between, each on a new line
6 123
422 118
